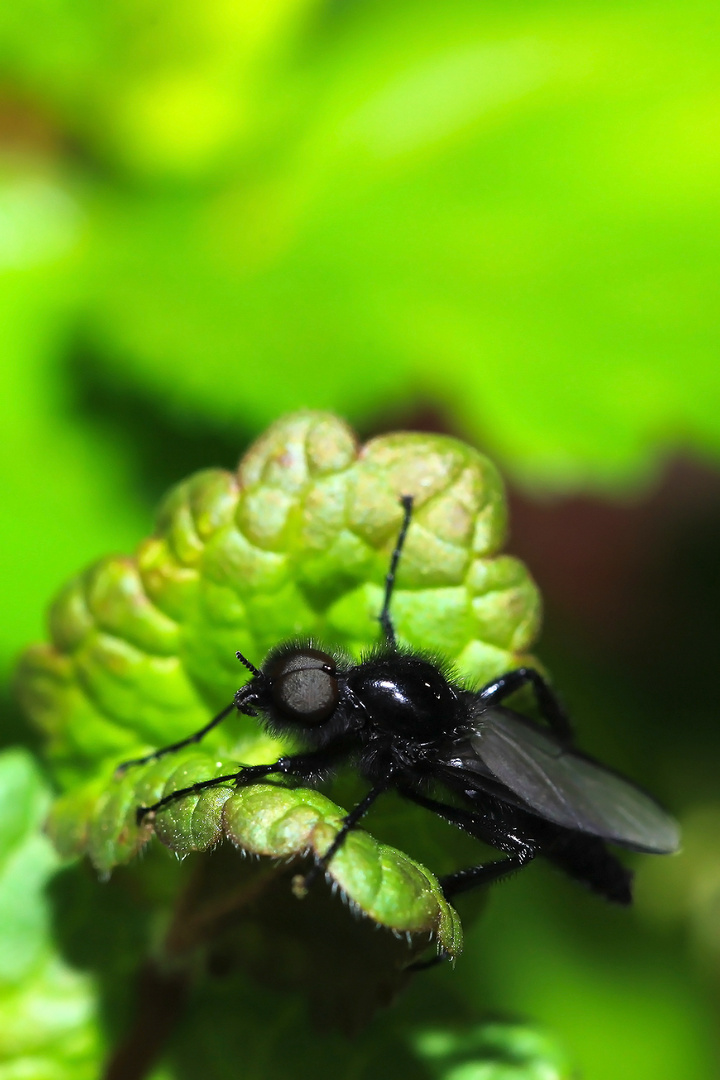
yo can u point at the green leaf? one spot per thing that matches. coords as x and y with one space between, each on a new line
197 90
48 1026
60 479
296 543
495 210
493 1051
384 884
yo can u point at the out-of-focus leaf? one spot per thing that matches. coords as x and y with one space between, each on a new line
687 890
47 1012
493 1051
59 479
297 542
394 1047
168 89
506 212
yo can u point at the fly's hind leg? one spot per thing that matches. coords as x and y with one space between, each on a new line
487 829
491 830
551 709
471 878
484 873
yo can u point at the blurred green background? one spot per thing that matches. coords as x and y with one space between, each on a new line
499 220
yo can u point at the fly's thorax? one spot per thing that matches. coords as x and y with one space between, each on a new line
404 696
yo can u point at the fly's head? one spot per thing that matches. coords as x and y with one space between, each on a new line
300 692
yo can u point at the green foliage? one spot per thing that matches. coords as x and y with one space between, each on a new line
213 212
493 1052
505 210
48 1028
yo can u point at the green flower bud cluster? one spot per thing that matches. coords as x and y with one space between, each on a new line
296 543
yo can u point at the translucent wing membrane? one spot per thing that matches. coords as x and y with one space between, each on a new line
564 787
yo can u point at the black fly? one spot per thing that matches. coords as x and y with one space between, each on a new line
403 723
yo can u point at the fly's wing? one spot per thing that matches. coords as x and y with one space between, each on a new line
563 786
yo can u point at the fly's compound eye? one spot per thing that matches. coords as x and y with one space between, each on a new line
304 685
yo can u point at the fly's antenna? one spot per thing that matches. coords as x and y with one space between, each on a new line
244 660
406 501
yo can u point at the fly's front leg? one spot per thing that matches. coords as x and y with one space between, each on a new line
242 702
174 747
247 775
310 767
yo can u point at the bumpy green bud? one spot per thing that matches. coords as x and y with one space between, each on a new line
295 543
